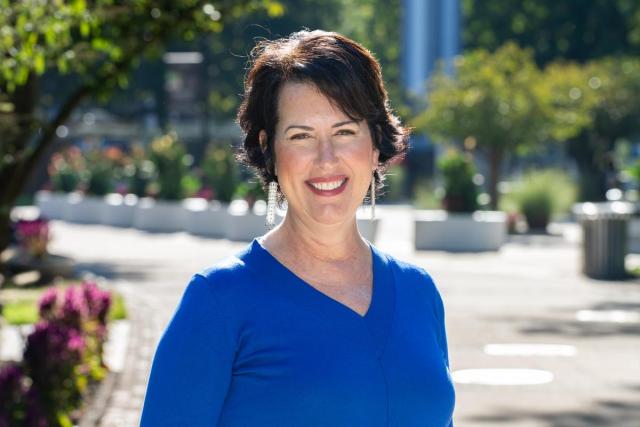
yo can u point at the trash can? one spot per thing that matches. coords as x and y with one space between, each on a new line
604 243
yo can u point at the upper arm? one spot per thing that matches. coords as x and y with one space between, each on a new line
191 369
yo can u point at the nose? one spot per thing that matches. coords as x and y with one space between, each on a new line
326 154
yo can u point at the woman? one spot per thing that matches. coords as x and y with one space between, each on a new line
310 325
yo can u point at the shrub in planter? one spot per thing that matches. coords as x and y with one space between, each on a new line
540 194
65 169
220 172
250 191
100 174
139 173
171 162
461 193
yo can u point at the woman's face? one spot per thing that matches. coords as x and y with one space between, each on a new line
324 160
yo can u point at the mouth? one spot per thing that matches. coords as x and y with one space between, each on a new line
327 187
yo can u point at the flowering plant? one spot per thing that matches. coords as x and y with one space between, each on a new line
61 356
33 235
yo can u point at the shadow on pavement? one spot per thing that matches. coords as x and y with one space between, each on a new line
607 412
569 325
134 272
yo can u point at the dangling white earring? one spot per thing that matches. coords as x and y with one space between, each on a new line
373 198
271 204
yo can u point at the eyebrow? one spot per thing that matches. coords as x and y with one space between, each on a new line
336 125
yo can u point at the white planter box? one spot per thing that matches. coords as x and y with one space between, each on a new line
51 204
119 210
455 232
206 218
244 224
83 209
159 215
368 228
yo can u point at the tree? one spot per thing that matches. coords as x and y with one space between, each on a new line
493 104
573 29
98 42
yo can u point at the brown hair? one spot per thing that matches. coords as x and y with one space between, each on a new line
343 71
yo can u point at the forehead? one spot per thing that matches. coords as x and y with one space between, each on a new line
304 101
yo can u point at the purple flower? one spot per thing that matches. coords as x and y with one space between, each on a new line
47 303
13 391
98 301
74 308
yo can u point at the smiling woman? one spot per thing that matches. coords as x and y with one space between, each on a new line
310 325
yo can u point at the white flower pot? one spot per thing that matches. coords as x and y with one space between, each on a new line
83 209
119 210
206 218
51 204
458 232
246 224
367 227
159 215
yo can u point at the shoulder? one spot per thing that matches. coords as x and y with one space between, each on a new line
413 278
408 272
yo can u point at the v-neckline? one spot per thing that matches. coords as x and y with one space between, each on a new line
323 296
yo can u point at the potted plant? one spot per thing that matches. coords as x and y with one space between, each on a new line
162 210
97 180
460 227
207 215
64 177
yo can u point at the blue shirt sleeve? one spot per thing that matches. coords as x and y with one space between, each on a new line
191 369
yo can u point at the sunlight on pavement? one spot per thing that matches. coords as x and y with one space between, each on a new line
502 376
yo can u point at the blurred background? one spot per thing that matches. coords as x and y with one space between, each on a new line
519 193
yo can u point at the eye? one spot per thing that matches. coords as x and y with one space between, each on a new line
300 136
345 132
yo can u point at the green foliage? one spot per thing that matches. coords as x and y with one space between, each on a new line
171 164
65 169
20 312
118 309
100 174
542 193
251 191
460 192
554 29
220 171
426 196
492 99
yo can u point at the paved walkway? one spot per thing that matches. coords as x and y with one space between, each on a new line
528 292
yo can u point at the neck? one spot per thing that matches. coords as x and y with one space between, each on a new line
336 242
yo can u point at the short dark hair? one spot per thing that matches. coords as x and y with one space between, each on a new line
342 70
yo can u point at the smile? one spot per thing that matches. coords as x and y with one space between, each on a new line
328 188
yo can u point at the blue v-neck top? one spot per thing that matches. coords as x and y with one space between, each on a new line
251 344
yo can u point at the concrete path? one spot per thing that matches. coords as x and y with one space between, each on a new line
530 292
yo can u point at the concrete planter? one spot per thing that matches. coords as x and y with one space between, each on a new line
368 228
83 209
455 232
245 224
51 204
159 215
205 218
119 210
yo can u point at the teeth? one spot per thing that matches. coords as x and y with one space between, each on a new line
327 185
